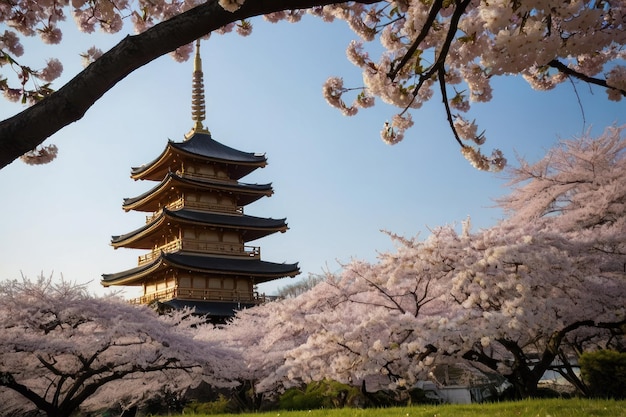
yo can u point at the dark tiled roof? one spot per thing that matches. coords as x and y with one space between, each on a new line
204 146
130 275
262 270
248 193
255 267
253 227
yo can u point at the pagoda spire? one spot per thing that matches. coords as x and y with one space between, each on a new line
198 111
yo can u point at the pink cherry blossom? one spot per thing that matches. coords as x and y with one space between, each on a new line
63 349
424 46
52 71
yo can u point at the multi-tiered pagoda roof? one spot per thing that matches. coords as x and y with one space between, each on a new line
197 232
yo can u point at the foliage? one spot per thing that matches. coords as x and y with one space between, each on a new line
219 406
320 394
605 373
62 348
526 408
456 47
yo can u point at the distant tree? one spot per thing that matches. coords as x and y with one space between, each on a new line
62 348
303 285
455 47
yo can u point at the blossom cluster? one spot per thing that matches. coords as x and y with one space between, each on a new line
469 42
41 155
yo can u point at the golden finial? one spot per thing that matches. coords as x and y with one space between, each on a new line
198 111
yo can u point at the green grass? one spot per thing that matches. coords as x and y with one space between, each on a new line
526 408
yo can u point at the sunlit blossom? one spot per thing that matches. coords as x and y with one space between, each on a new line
244 28
51 35
40 156
495 38
231 5
52 71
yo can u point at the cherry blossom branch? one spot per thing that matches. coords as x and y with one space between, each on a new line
8 380
445 48
591 80
432 15
438 67
386 295
444 97
422 300
28 129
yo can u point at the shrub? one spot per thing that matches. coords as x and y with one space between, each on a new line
219 406
320 394
604 372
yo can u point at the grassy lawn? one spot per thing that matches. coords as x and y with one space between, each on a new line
527 408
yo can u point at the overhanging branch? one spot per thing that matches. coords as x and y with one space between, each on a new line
28 129
579 75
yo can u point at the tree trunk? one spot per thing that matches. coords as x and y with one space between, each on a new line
524 382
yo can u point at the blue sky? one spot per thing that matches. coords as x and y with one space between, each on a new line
334 180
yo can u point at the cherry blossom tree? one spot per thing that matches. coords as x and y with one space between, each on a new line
352 327
262 336
62 349
376 329
536 296
544 284
563 247
578 186
455 47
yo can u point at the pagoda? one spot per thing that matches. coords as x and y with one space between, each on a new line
196 232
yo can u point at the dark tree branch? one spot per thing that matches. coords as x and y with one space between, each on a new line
439 66
444 97
28 129
385 294
432 15
480 357
7 380
71 403
579 75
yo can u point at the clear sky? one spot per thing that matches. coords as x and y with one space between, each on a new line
334 180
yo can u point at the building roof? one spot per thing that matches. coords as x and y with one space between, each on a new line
200 145
245 193
251 227
262 271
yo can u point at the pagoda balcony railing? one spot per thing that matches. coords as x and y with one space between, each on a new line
195 245
198 175
198 205
200 294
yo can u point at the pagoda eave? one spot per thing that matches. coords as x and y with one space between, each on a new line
252 228
261 271
201 146
245 193
133 276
